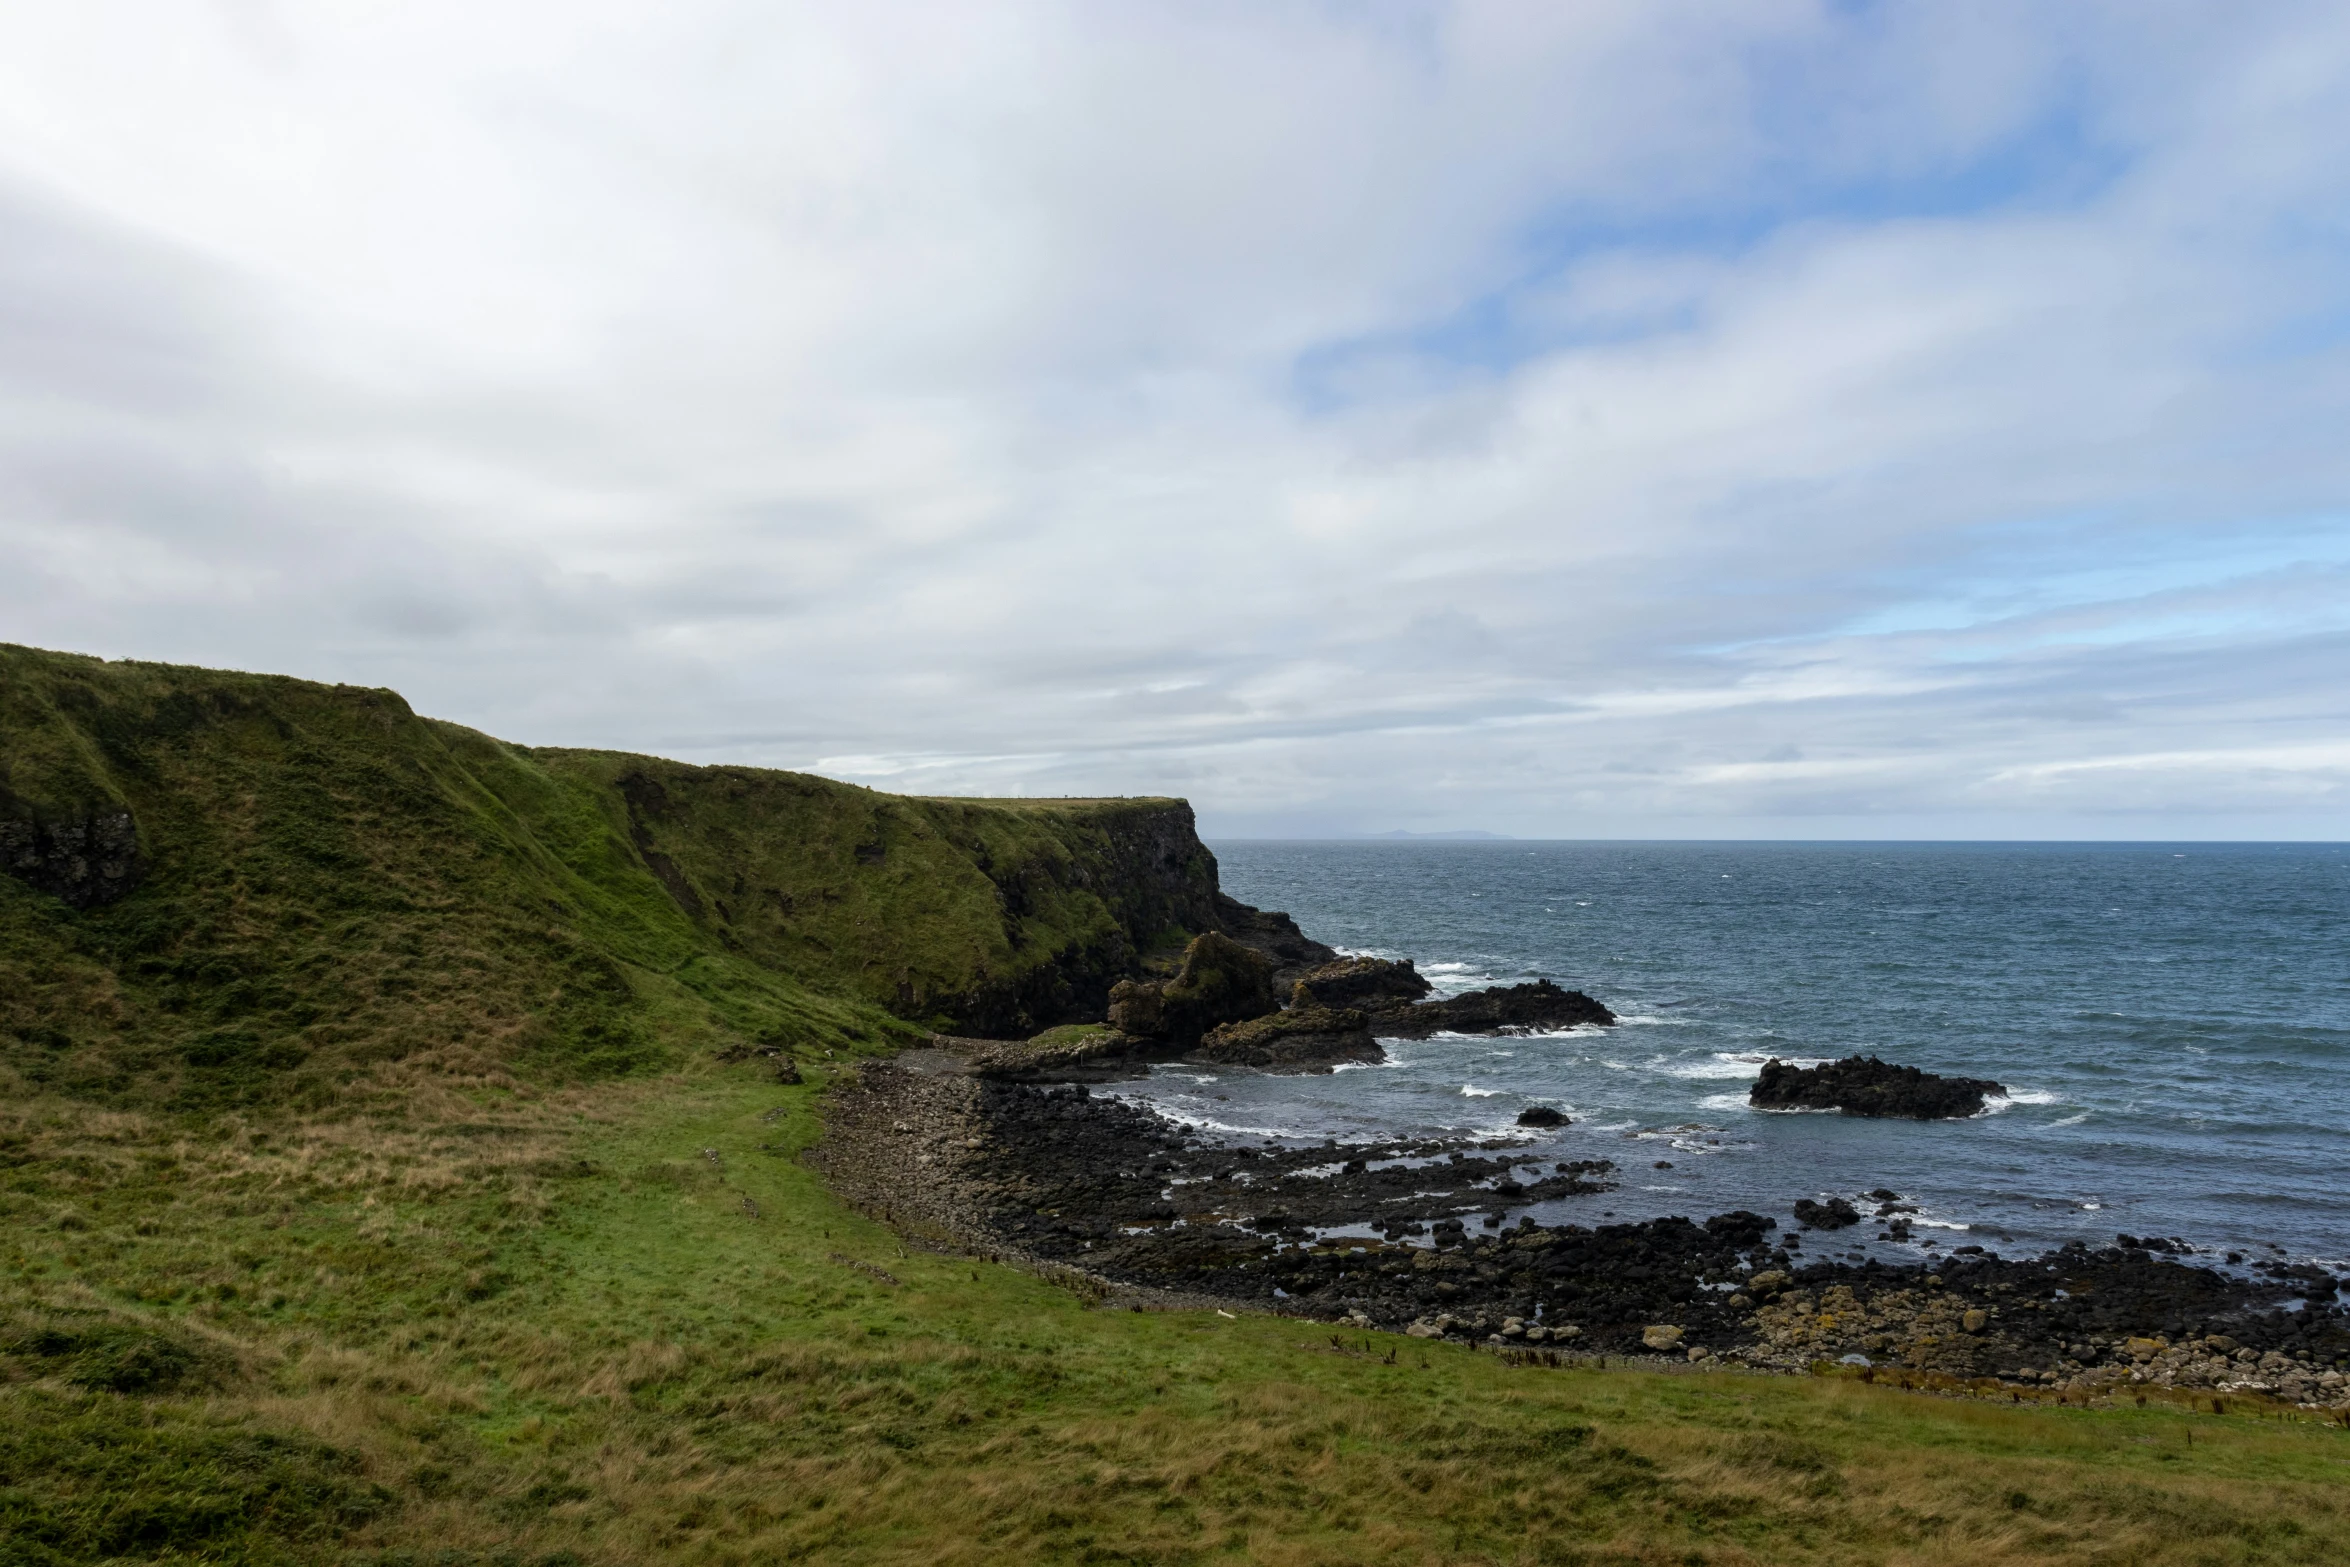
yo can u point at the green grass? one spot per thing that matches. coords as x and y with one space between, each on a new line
547 1325
390 1180
336 884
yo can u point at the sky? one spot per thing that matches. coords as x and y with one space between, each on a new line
1644 419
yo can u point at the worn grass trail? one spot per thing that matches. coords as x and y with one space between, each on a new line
624 1323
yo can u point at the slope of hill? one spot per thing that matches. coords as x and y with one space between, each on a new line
386 1179
226 885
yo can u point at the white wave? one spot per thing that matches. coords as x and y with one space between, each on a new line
1724 1102
2033 1096
1721 1064
1210 1124
1471 1091
1451 968
1936 1224
1360 1066
2071 1120
1644 1020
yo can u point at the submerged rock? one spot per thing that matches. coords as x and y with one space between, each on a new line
1540 1005
1864 1085
1303 1039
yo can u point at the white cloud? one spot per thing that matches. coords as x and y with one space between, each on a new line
1522 416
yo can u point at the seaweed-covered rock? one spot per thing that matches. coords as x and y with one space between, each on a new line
1378 984
1221 981
1540 1005
1864 1085
1302 1039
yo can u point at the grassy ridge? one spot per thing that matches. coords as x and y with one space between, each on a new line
381 1183
335 883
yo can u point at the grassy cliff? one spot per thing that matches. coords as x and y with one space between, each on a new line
229 885
382 1182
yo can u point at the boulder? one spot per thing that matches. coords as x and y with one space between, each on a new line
1501 1009
1661 1336
1220 981
1864 1085
1374 984
1303 1039
1833 1214
1541 1115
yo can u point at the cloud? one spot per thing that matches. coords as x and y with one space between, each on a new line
1618 417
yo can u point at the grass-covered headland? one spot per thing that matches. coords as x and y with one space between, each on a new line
395 1167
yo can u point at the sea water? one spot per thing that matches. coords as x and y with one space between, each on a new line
2172 1023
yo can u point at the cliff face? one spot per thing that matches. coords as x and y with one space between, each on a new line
218 885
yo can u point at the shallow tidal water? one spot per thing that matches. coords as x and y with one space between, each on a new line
2172 1022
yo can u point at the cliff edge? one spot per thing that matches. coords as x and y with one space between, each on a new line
219 885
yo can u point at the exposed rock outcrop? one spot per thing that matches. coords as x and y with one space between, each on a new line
1221 981
1541 1115
1834 1214
1302 1039
89 858
1864 1085
1055 1053
1378 984
1540 1005
1273 936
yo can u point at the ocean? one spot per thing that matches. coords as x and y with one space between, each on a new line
2172 1022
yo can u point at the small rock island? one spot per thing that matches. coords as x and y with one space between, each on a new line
1864 1085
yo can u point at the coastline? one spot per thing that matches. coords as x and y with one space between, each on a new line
1149 1213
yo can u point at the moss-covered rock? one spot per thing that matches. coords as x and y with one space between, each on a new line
1302 1039
1373 984
1054 1052
1220 981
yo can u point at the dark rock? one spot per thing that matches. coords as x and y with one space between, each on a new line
1375 983
1541 1115
1221 981
1833 1214
1274 936
1055 1053
1540 1005
1864 1085
87 859
1302 1039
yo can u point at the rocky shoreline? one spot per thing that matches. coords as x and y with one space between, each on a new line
1054 1174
